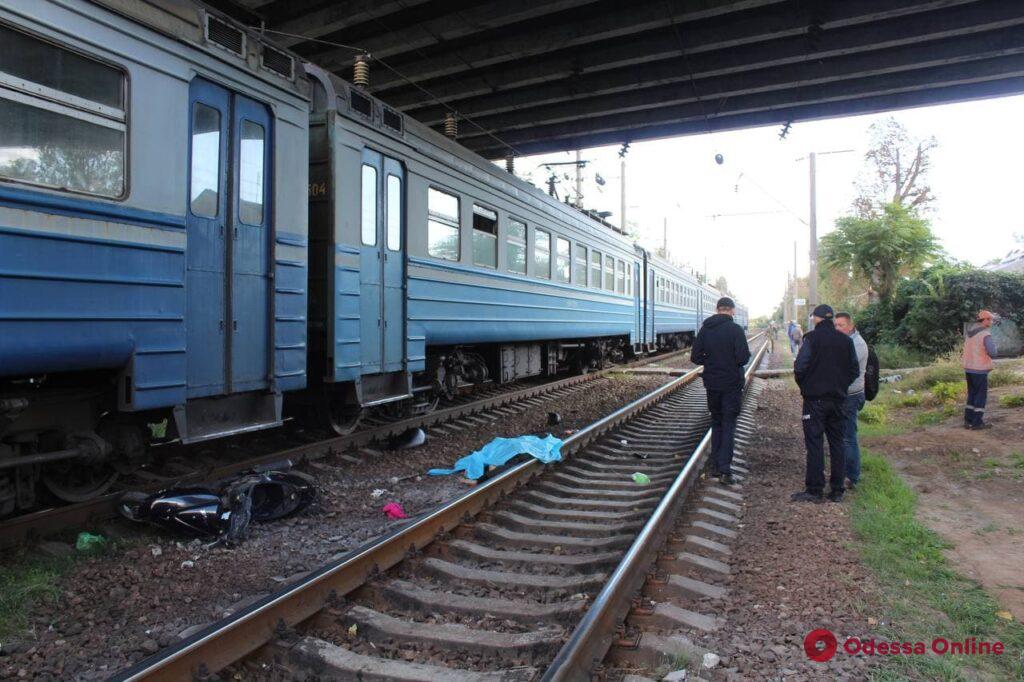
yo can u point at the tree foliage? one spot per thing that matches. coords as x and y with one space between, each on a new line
880 250
927 313
897 170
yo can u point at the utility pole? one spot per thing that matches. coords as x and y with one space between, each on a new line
664 238
796 310
812 277
579 180
622 172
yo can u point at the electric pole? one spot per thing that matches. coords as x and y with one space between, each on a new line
622 171
579 180
796 309
812 277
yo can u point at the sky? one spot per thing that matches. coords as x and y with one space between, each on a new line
743 216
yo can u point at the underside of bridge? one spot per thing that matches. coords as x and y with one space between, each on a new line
530 76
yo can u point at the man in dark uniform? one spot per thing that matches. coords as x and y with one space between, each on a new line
721 346
824 369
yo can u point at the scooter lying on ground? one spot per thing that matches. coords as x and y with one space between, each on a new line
224 509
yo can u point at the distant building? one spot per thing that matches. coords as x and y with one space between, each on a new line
1012 262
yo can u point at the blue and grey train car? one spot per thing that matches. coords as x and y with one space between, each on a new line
153 177
675 303
443 270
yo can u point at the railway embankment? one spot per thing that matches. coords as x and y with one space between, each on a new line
927 549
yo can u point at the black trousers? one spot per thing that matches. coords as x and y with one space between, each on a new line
821 419
725 409
977 396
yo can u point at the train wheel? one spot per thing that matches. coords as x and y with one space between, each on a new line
78 482
343 419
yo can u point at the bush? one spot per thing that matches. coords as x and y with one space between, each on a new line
874 414
1015 400
945 392
895 356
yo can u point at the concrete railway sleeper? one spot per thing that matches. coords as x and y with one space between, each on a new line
496 584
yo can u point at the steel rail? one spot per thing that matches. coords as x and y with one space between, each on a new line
18 529
230 640
595 633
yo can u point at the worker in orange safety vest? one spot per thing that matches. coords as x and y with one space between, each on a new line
979 349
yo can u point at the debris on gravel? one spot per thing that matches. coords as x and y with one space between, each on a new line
117 607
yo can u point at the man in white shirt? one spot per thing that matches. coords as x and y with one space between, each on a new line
854 399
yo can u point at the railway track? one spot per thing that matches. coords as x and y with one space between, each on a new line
489 405
529 575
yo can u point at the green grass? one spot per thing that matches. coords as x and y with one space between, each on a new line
933 417
893 356
23 582
1004 376
1012 400
914 400
874 413
1017 460
926 597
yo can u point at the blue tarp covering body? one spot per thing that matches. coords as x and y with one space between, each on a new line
501 450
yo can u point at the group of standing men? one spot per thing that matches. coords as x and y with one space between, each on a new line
829 369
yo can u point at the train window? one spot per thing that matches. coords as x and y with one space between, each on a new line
595 269
62 117
620 277
562 259
542 254
579 267
205 192
250 173
629 279
394 212
515 246
442 224
369 214
609 273
485 237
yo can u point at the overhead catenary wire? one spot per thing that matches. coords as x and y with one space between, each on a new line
433 98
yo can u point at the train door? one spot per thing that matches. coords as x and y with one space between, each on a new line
638 326
228 219
652 294
382 265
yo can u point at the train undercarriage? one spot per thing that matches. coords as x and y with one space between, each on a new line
62 439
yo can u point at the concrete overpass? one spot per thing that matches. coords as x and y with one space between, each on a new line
549 75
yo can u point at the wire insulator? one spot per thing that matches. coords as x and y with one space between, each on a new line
451 125
361 72
510 164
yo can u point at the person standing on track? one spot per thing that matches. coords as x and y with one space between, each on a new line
979 349
721 346
855 398
824 369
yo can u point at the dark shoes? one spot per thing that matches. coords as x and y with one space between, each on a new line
835 496
980 427
726 479
804 496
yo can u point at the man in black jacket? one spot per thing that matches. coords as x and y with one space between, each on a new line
825 367
721 347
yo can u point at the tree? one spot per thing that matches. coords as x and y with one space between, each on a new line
897 170
722 285
880 250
